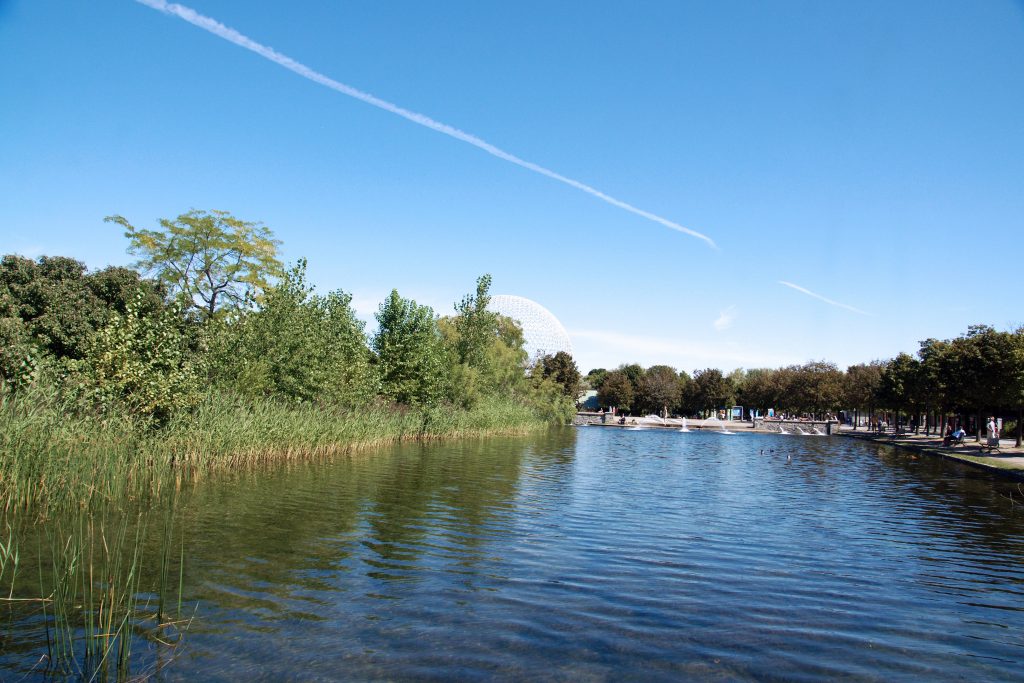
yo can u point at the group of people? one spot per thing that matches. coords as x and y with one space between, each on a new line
991 433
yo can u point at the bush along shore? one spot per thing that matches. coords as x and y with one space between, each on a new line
211 353
120 387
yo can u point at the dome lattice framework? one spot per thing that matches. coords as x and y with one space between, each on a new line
542 333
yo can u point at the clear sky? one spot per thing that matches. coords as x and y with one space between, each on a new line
869 153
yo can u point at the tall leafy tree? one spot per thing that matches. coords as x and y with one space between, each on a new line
60 305
561 368
616 391
476 326
899 385
711 389
860 387
820 387
297 346
759 389
410 353
595 378
209 260
659 389
683 404
137 363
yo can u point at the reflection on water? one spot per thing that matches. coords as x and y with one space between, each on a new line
603 553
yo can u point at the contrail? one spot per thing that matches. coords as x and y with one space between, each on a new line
821 298
220 30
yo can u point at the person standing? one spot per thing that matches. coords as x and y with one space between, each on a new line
992 432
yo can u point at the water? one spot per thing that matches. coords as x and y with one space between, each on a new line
604 554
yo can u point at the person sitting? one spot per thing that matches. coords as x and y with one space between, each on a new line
949 435
958 437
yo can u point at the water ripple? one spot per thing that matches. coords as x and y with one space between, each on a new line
605 554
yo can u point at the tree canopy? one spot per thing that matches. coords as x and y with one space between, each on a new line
209 260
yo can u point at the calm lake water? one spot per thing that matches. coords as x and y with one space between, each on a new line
605 554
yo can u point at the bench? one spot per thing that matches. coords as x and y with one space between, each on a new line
991 447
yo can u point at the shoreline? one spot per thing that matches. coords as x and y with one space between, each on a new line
1008 463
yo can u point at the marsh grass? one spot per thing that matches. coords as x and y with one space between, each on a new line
107 594
56 456
95 603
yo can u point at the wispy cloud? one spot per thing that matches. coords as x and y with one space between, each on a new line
830 302
220 30
725 319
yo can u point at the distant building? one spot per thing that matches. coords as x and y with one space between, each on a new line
542 333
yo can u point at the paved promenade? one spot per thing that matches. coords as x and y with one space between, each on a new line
1007 460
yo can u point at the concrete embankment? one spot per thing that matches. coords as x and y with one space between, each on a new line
654 422
1008 461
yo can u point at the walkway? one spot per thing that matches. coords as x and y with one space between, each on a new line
1009 460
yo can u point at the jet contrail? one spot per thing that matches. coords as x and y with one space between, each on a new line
820 297
220 30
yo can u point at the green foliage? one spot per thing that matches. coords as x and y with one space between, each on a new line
486 351
547 397
562 369
410 352
137 363
899 387
52 308
710 389
595 378
475 325
296 347
19 357
616 391
658 390
684 391
210 260
51 298
759 389
861 385
815 387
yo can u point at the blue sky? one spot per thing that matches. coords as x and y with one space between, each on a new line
870 153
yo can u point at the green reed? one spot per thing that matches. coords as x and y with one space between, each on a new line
107 583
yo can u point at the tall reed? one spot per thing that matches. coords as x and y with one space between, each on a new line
76 475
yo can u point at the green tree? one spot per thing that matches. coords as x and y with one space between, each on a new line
684 406
410 352
486 351
595 378
759 389
711 390
209 260
561 368
659 389
616 391
51 298
138 363
476 326
818 387
297 347
982 371
860 387
52 307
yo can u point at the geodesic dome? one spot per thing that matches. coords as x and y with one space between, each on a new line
542 333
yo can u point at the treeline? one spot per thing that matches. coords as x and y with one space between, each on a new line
980 372
211 314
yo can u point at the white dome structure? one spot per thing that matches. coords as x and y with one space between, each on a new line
542 332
